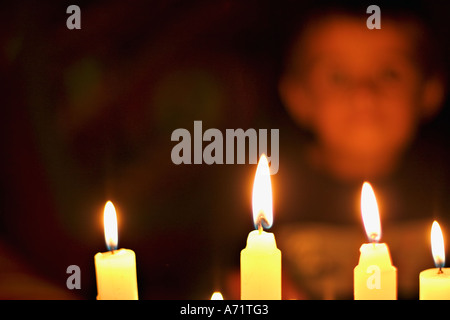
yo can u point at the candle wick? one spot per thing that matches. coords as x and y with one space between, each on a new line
373 238
440 270
260 221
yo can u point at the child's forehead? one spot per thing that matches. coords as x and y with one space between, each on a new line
345 29
346 35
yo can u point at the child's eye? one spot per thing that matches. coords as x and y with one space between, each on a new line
390 74
338 78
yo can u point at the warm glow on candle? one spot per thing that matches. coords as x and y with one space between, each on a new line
437 245
115 270
262 195
110 225
370 214
216 296
261 259
375 278
435 282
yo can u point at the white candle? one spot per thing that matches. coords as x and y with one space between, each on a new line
261 259
375 278
116 269
435 282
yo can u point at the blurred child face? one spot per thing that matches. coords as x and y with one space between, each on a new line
359 90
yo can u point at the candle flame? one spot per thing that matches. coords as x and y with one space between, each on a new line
110 225
216 296
262 195
370 214
437 245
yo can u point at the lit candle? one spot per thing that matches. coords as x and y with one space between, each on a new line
217 296
374 277
261 259
435 282
116 269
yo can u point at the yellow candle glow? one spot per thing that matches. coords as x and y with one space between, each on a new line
435 282
261 259
116 269
374 277
217 296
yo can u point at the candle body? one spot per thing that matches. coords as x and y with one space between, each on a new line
374 277
434 285
116 275
261 268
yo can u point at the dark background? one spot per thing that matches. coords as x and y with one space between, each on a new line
87 116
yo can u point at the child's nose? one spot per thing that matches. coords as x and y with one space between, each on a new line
364 93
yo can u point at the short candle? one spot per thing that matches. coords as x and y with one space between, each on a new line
116 269
261 259
435 283
375 278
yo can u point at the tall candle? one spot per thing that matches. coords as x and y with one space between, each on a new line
261 259
435 282
116 269
375 278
